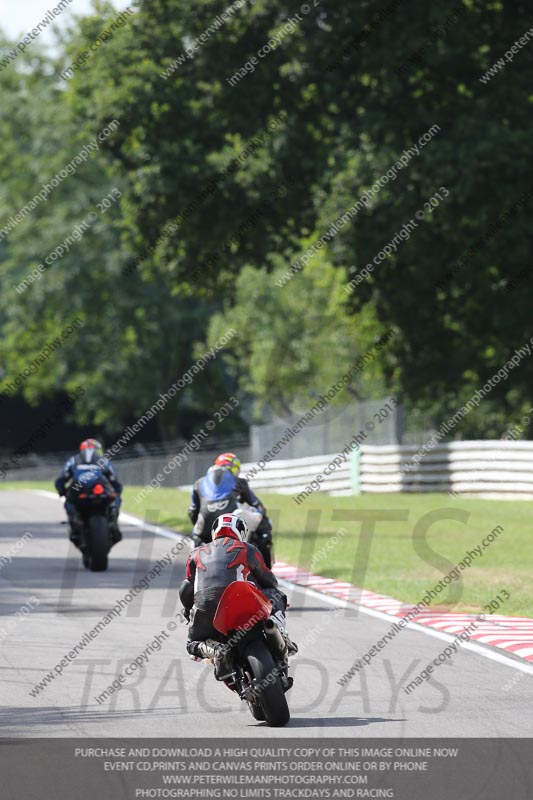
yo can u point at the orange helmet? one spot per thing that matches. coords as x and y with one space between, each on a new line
230 525
90 448
230 461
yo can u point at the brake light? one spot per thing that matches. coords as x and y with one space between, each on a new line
98 489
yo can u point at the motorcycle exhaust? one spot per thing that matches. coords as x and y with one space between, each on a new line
275 640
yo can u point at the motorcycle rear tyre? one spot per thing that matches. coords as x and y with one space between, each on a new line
272 700
99 543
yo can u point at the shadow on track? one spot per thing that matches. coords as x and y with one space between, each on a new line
333 722
13 718
61 570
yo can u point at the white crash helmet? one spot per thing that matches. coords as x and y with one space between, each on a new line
230 525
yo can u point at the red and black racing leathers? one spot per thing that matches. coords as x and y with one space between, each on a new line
213 566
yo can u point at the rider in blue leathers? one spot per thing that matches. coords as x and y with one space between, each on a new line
84 466
219 492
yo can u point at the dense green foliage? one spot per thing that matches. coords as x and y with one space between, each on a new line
224 187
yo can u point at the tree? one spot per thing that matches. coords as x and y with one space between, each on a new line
223 176
298 343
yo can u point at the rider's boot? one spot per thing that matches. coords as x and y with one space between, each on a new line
76 528
262 539
216 651
116 535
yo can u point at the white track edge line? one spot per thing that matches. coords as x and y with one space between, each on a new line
500 658
446 637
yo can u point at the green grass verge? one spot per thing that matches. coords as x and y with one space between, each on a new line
388 560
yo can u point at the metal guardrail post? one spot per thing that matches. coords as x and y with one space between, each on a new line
400 420
355 465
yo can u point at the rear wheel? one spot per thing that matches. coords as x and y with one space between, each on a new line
99 541
257 711
271 697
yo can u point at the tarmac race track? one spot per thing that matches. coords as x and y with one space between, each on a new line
168 695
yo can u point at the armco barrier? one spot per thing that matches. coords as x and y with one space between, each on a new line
484 468
291 476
